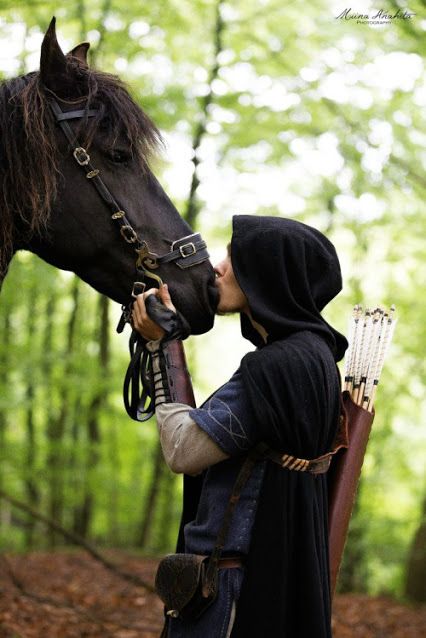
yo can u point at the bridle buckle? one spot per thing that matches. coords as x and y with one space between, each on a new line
81 156
128 233
187 250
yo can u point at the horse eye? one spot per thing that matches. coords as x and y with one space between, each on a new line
119 156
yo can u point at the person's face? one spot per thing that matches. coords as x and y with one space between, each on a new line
231 297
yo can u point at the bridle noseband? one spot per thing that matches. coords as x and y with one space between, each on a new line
185 252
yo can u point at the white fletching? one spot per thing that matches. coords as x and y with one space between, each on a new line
370 335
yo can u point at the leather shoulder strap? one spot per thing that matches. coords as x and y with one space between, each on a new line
213 562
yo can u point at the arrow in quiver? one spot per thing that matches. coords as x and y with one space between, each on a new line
370 334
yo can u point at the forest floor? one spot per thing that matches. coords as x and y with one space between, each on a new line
70 595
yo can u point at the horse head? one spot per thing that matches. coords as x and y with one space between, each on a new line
51 207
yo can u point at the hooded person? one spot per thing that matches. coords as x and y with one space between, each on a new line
274 580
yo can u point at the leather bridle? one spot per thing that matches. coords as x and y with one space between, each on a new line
185 252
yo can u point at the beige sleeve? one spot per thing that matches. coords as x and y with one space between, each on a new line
187 449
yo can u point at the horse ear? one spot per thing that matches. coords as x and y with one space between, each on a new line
80 52
53 64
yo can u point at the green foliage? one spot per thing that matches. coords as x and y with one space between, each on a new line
311 117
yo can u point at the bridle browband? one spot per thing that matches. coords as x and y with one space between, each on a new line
185 252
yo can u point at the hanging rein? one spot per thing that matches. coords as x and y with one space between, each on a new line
185 252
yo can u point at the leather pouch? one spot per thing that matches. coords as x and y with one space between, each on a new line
188 583
180 582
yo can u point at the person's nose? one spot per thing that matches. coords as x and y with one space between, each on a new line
219 269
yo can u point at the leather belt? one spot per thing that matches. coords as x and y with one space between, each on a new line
319 465
229 563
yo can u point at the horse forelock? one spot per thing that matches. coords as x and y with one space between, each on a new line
29 159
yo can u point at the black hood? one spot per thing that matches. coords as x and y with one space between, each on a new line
288 271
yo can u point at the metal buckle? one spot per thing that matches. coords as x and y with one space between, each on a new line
192 250
138 288
81 156
128 234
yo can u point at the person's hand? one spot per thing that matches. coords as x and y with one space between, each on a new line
141 320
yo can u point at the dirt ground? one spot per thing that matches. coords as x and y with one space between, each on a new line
70 595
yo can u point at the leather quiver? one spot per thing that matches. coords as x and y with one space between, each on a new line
343 478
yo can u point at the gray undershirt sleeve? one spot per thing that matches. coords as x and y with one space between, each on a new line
186 447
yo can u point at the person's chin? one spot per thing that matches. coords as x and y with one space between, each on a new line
223 310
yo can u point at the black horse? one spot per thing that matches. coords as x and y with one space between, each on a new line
50 206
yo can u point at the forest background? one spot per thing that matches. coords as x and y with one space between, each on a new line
267 107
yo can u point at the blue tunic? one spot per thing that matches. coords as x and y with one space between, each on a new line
227 419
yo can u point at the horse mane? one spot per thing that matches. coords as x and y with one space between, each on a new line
29 155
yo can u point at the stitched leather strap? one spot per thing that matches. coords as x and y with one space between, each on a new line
187 253
319 465
75 115
210 580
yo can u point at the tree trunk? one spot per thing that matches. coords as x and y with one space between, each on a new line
46 364
193 208
56 427
145 526
415 587
113 496
48 354
5 513
84 511
31 488
165 539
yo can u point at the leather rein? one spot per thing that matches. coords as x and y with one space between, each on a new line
185 252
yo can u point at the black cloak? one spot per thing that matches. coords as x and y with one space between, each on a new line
288 272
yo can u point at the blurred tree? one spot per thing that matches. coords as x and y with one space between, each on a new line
56 428
31 487
150 500
83 511
415 588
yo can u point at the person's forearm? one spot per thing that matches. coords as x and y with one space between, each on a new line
186 447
